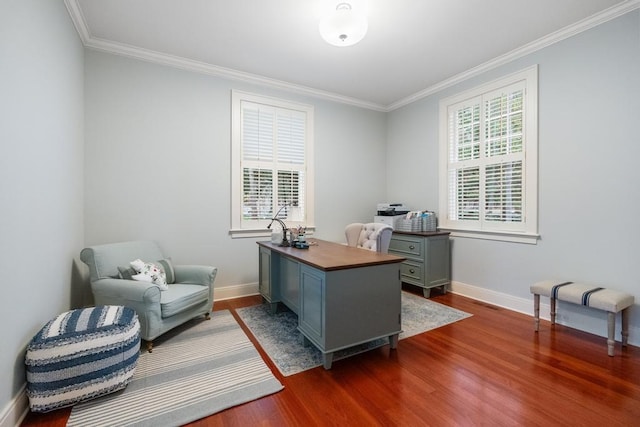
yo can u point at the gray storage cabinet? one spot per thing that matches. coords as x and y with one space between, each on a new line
428 258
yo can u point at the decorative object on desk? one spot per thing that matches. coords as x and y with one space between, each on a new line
276 235
284 241
201 368
279 336
298 238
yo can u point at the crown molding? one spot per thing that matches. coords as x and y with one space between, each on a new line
77 17
562 34
205 68
122 49
187 64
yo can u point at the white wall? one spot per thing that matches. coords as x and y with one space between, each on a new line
588 173
158 163
41 178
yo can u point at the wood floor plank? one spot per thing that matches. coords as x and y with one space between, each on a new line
488 369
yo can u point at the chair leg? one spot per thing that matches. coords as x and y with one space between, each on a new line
611 328
149 346
625 326
536 312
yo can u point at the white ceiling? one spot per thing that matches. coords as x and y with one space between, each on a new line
412 46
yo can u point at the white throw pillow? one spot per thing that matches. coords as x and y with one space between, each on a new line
148 272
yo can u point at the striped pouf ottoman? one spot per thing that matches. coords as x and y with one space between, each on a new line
80 355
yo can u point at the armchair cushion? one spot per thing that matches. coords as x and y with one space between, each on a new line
149 272
166 266
179 298
127 272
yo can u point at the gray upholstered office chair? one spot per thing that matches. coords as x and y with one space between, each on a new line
372 236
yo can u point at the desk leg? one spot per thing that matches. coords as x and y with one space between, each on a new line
327 360
393 341
273 307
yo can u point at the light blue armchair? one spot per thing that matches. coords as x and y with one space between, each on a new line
158 311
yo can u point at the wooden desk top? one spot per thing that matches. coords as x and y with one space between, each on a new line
328 256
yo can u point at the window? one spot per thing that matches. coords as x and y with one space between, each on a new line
488 160
272 148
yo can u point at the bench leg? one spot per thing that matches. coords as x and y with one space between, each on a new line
611 329
625 326
536 312
553 310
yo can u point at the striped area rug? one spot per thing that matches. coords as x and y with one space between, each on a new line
196 370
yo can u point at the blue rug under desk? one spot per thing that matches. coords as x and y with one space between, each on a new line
279 336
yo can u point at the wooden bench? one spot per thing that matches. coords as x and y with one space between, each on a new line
590 296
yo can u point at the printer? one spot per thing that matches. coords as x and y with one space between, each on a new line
390 213
392 209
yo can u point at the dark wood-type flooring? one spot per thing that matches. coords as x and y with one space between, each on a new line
490 369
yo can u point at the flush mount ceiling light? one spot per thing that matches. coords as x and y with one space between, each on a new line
343 27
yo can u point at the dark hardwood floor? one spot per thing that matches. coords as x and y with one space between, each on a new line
489 369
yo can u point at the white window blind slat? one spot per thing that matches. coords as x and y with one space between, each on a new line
273 144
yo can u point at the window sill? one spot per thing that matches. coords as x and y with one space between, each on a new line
241 233
527 238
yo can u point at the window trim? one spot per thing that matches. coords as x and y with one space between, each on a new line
469 230
237 97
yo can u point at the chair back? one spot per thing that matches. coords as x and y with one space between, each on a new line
372 236
104 260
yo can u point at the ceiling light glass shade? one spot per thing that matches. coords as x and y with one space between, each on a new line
344 27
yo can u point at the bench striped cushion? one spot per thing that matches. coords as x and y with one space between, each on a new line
582 294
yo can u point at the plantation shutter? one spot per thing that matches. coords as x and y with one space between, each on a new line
503 141
486 160
273 160
464 161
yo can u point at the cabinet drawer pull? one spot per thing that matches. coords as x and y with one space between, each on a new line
412 247
412 271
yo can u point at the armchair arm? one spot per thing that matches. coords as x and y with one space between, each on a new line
143 297
195 274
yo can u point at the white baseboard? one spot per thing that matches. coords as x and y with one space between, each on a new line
235 291
521 305
16 410
583 321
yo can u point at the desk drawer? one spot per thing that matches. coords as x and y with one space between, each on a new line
412 272
407 246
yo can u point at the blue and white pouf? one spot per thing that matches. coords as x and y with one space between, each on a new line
80 355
